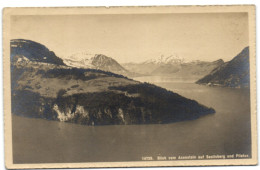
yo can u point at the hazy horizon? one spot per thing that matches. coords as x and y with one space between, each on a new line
140 37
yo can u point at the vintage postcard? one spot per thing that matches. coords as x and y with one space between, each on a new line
129 86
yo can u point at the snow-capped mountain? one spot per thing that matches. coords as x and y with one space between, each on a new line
172 59
79 60
174 66
95 61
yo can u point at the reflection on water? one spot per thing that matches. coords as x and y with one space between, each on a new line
161 79
225 132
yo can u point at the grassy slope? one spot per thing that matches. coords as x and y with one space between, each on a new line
49 79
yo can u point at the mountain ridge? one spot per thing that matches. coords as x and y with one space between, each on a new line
33 51
234 73
172 59
193 69
96 61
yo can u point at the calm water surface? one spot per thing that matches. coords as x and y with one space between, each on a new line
225 132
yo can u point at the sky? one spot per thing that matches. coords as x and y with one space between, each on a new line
138 37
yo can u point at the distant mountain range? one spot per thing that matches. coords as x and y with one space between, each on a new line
171 66
234 73
172 59
163 66
44 87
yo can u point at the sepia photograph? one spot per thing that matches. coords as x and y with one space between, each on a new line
129 86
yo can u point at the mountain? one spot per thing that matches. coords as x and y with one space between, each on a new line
172 66
234 73
96 61
198 68
33 51
149 67
172 59
93 97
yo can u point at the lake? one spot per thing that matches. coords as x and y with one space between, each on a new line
225 132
